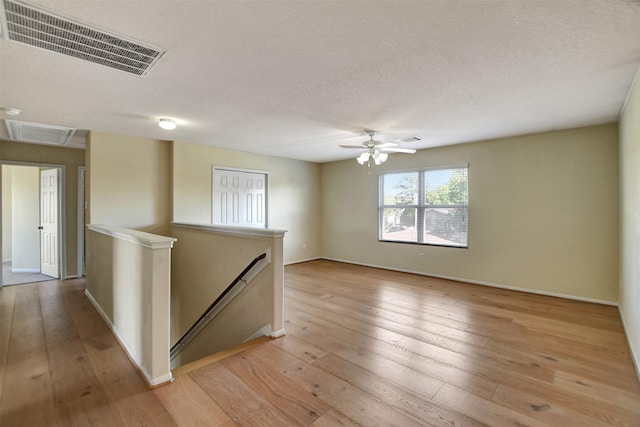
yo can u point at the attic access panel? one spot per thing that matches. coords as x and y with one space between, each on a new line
29 25
38 133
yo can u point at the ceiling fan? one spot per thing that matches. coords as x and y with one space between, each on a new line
376 150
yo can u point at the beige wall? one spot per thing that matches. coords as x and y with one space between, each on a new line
630 218
129 283
203 264
543 213
71 159
129 182
294 188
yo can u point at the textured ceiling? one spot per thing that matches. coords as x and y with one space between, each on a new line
298 78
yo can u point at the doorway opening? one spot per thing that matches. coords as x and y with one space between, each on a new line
32 223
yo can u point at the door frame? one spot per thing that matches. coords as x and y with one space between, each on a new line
81 219
62 224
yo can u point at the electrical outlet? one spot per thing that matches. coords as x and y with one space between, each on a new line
421 256
304 246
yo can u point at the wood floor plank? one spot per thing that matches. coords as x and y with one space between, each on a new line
190 406
615 395
376 374
387 358
391 320
528 362
71 413
387 365
7 306
543 408
334 418
131 401
601 369
77 393
346 398
410 403
27 399
482 409
245 406
304 408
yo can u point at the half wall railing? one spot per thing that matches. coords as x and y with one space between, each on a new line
229 294
204 264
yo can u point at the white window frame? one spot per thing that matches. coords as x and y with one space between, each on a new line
420 206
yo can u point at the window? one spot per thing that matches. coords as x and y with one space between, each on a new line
239 197
426 206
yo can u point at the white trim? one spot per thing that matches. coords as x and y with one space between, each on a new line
635 358
62 228
80 219
152 382
230 230
62 213
277 334
234 169
25 270
425 168
479 282
303 260
148 240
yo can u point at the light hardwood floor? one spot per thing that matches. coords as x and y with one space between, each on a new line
363 347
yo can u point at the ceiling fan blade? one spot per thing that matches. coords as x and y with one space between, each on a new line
354 146
386 144
399 150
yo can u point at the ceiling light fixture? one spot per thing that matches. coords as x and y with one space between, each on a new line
373 154
167 124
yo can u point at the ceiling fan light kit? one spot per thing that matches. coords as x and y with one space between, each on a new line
376 150
378 158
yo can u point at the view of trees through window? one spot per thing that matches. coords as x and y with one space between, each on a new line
428 207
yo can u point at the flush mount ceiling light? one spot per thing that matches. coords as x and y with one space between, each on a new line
376 151
167 124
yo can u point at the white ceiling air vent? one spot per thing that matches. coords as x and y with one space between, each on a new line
411 139
27 24
38 133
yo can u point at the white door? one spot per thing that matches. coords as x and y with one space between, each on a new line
49 222
239 198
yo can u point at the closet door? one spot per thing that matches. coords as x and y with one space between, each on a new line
239 198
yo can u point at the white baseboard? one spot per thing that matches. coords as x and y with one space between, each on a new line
277 334
303 260
478 282
151 382
25 270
